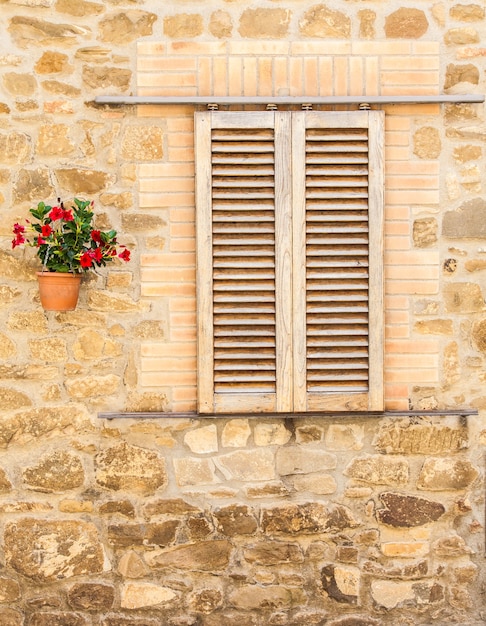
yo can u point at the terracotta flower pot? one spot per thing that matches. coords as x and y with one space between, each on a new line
58 291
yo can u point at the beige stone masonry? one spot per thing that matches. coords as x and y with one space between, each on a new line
247 521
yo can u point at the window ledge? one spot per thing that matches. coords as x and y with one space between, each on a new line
288 414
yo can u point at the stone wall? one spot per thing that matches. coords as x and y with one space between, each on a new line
354 522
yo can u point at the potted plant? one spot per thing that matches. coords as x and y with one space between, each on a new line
67 245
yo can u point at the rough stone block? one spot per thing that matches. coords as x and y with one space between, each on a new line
120 507
92 386
125 535
15 147
91 597
322 21
202 440
206 601
57 618
103 77
434 327
344 437
309 434
131 468
379 470
425 232
451 546
11 399
126 26
82 181
311 517
194 472
467 222
405 437
247 465
9 590
273 553
221 25
479 335
143 143
404 511
137 595
406 23
264 23
48 550
456 74
320 484
59 471
464 298
341 583
204 556
254 597
405 549
175 506
131 565
110 302
271 434
11 617
183 25
235 520
235 433
35 424
299 460
467 12
427 143
446 474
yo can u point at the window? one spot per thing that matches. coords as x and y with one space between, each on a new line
289 261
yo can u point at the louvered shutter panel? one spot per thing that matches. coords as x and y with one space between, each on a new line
338 201
244 228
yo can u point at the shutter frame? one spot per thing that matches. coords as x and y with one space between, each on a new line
204 291
290 263
373 121
210 401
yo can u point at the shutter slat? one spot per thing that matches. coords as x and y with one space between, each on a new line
335 170
335 193
251 159
239 354
348 204
261 194
253 342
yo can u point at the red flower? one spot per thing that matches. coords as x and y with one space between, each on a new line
86 259
96 236
57 213
18 229
46 230
40 241
68 216
98 254
125 255
19 239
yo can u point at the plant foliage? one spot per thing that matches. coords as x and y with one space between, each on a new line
65 239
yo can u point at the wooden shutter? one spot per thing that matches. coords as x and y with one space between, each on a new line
289 222
244 236
338 279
